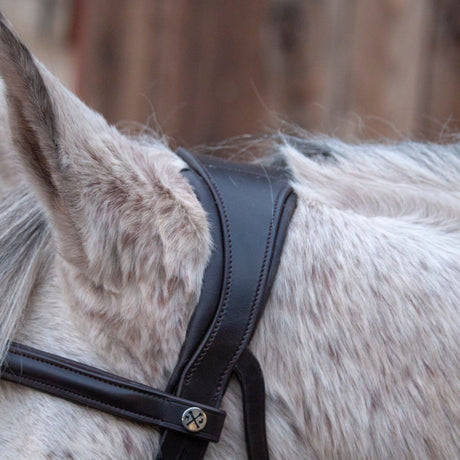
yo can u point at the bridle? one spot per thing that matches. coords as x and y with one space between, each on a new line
248 210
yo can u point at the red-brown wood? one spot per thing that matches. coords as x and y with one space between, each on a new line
207 70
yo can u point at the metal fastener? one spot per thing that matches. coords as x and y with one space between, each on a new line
194 419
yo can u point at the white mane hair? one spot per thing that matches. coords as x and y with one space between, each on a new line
103 246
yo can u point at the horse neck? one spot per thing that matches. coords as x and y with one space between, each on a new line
48 321
35 424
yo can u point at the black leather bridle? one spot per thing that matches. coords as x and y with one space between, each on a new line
248 210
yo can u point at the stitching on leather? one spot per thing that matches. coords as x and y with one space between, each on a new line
145 418
256 297
88 375
223 310
74 393
99 379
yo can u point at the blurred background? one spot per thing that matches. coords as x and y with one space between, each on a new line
206 70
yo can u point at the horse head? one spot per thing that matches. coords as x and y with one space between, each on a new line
102 253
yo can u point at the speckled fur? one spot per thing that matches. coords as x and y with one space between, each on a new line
360 341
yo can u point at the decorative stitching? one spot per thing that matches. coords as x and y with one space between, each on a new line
255 299
74 393
99 379
228 286
206 435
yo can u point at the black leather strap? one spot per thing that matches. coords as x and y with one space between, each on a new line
206 309
101 390
254 208
251 379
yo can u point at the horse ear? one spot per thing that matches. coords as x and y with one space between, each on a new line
31 112
48 126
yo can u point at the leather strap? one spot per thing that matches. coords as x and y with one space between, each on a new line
254 208
206 309
251 379
101 390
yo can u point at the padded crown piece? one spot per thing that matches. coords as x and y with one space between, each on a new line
249 210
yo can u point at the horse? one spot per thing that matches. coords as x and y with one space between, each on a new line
103 246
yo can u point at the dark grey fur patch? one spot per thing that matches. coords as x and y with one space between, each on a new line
313 150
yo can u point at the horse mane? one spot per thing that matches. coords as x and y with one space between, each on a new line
413 182
25 253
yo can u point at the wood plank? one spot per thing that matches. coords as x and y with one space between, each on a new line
198 63
390 44
100 60
210 70
441 114
338 74
307 62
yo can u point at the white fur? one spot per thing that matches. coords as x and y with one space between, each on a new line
360 340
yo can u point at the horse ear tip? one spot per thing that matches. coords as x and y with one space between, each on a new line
9 38
4 23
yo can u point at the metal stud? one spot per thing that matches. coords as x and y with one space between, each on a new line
194 419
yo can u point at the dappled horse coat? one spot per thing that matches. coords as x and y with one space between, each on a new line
103 248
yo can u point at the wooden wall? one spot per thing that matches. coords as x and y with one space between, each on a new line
211 69
44 26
